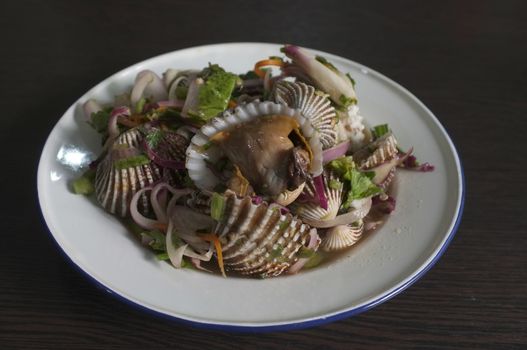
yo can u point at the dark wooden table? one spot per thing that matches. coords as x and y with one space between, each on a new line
467 61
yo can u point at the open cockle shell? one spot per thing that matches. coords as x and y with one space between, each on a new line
310 207
114 187
202 151
258 239
313 105
342 236
377 152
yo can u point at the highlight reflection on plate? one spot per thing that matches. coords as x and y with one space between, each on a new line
429 209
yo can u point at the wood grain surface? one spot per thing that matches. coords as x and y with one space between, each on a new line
466 60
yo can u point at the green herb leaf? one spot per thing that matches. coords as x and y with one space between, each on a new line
335 184
284 224
162 256
140 105
358 184
217 206
131 162
276 252
347 101
380 130
181 92
351 79
304 253
99 120
83 185
314 261
215 93
157 240
249 75
154 137
326 63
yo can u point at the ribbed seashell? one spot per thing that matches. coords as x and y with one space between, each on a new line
313 105
258 239
200 201
311 209
287 197
377 152
201 151
388 179
115 187
342 236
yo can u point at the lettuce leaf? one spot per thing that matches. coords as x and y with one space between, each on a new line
215 93
357 184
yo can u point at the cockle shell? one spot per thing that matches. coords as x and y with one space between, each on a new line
342 236
388 179
202 151
258 239
200 202
309 206
379 151
287 197
115 187
313 105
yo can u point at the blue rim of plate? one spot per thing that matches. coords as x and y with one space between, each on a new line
321 320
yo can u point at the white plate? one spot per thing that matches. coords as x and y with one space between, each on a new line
428 211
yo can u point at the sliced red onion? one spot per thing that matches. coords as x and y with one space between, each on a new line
335 152
91 106
175 254
344 219
158 199
293 70
192 101
336 84
187 222
139 218
169 75
318 181
256 200
314 239
148 83
142 220
113 129
297 266
411 163
121 111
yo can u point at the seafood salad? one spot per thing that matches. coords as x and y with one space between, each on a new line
258 174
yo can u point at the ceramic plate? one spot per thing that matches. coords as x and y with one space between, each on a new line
429 207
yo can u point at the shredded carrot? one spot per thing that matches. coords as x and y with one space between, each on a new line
232 104
161 226
268 62
217 245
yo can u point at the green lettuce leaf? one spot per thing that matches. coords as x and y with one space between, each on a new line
215 93
357 184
